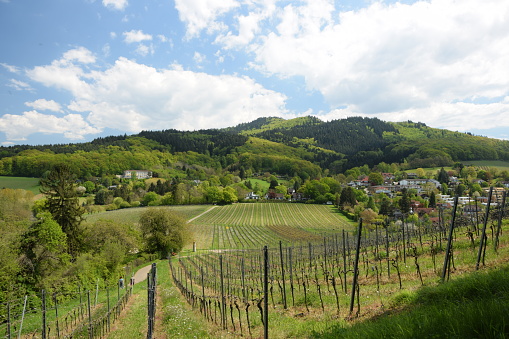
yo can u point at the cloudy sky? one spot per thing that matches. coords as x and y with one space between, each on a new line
74 70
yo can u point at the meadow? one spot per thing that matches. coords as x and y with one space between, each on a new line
29 184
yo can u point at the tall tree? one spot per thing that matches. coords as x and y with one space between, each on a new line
404 202
443 176
163 231
62 202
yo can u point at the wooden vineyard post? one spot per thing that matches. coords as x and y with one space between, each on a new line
448 250
387 249
283 273
291 274
500 215
483 235
344 261
43 315
265 292
223 299
356 266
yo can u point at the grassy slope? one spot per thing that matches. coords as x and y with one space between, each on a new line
29 184
132 215
475 305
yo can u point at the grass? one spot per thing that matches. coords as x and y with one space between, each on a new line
498 164
29 184
176 319
132 215
472 306
133 322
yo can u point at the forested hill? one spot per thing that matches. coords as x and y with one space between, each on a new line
267 144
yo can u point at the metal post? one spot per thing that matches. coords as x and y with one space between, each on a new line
265 292
56 317
23 316
8 320
500 215
283 273
223 300
356 265
90 332
449 240
43 292
483 236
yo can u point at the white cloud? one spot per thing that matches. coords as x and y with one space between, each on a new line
19 85
201 14
136 36
132 97
10 68
43 105
199 58
145 50
115 4
162 38
393 57
113 35
106 50
80 54
19 127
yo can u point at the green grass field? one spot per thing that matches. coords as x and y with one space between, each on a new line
132 215
258 224
29 184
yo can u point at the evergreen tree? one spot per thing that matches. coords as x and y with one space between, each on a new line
443 177
63 204
347 197
404 202
432 200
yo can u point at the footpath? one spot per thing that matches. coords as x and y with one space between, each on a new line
141 274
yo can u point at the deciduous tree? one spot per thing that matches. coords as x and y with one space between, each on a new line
163 231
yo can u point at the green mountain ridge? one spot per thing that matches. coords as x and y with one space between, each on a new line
268 144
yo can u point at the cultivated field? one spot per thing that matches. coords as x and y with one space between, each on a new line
254 225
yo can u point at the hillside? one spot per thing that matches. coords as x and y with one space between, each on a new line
275 145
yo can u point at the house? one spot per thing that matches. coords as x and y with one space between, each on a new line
471 210
252 196
421 211
138 174
275 196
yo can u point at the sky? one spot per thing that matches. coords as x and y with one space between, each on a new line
75 70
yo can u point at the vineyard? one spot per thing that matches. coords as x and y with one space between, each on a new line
334 274
244 226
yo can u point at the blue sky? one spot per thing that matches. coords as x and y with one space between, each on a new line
74 70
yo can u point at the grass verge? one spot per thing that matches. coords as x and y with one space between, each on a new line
473 306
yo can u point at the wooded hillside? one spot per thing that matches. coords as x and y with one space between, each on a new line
286 147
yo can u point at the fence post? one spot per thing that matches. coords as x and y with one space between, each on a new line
449 241
500 215
223 300
265 292
356 265
43 306
109 309
151 294
483 236
90 334
56 317
283 273
8 320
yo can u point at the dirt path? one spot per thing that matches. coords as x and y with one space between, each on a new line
141 274
199 215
